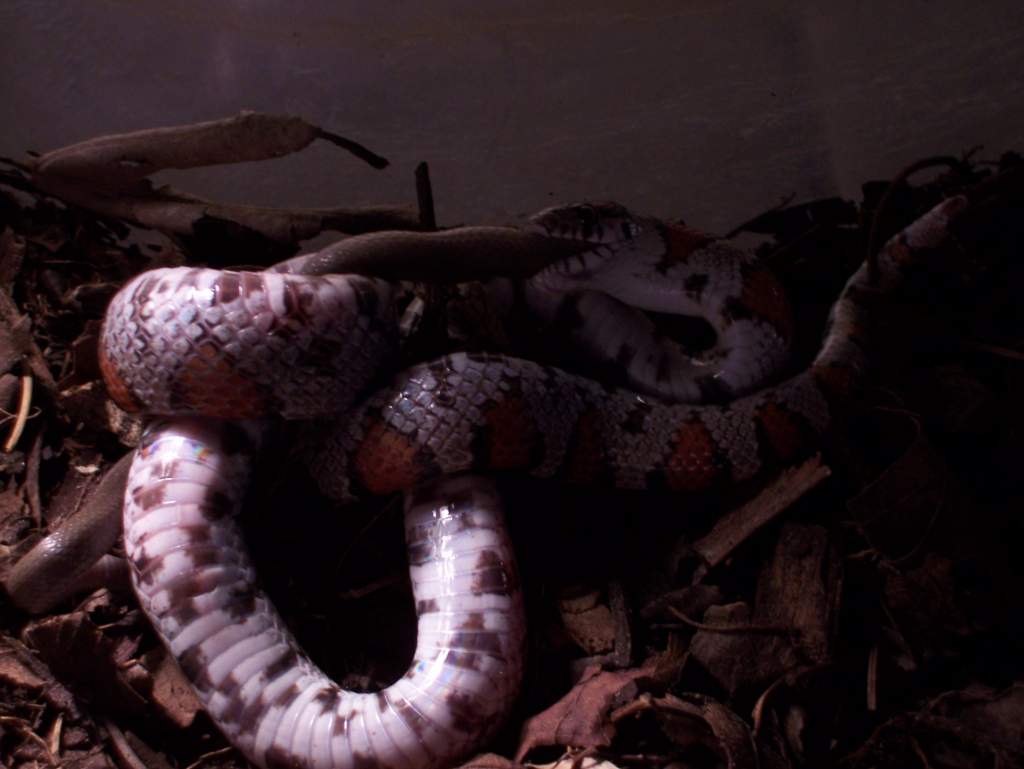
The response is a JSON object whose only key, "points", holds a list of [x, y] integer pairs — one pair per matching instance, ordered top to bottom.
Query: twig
{"points": [[355, 148], [425, 197], [433, 321], [24, 404], [31, 482], [736, 526], [731, 628], [623, 652], [789, 678], [644, 702], [757, 714], [24, 729], [54, 734], [122, 749], [919, 752], [207, 756]]}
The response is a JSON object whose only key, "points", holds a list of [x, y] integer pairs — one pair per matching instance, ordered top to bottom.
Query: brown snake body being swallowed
{"points": [[207, 350]]}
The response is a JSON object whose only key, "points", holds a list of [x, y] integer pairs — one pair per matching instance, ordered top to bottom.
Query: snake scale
{"points": [[211, 353]]}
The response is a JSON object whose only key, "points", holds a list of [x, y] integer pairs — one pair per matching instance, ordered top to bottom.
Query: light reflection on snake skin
{"points": [[309, 345]]}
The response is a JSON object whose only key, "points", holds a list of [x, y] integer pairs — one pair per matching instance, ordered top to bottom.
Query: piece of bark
{"points": [[121, 159], [736, 526], [799, 588], [794, 620], [589, 623], [733, 654], [171, 692]]}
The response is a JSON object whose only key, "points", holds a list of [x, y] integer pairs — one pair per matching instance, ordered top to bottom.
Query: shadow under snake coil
{"points": [[210, 352]]}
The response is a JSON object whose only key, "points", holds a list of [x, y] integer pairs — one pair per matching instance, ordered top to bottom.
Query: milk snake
{"points": [[212, 352]]}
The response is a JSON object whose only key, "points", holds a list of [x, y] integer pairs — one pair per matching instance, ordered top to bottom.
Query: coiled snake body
{"points": [[221, 348]]}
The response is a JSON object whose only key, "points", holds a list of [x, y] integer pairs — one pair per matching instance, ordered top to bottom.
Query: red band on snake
{"points": [[242, 345]]}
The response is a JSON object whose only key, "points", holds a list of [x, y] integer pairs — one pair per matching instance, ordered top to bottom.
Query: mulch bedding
{"points": [[865, 610]]}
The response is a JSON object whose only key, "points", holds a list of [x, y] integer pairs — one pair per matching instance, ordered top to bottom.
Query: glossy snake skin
{"points": [[237, 345], [196, 583]]}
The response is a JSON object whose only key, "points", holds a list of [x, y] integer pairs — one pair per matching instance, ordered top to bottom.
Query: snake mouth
{"points": [[593, 222], [693, 334]]}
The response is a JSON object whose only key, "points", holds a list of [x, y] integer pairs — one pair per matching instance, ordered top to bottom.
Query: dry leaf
{"points": [[90, 663], [580, 718], [697, 719]]}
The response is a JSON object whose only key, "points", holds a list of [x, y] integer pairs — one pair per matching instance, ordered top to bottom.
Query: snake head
{"points": [[605, 223]]}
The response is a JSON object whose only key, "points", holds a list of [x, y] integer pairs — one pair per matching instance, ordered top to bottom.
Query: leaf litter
{"points": [[864, 610]]}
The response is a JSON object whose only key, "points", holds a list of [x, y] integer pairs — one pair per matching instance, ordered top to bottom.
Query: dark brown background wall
{"points": [[706, 109]]}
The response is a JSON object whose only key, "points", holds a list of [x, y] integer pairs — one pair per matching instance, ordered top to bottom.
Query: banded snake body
{"points": [[212, 352]]}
